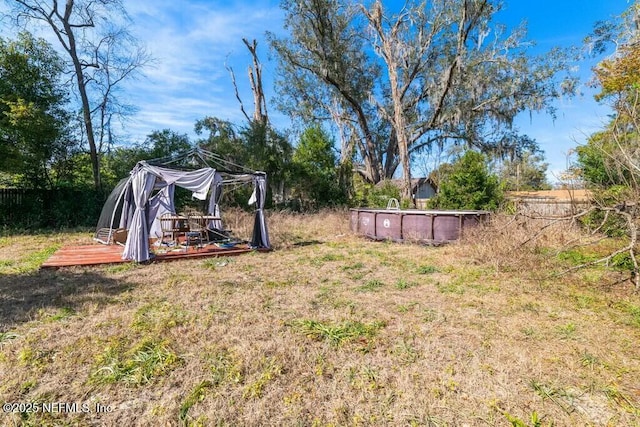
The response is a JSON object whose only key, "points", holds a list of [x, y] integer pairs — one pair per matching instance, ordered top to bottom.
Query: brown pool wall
{"points": [[430, 226]]}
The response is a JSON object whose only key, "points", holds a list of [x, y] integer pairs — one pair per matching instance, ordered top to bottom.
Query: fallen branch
{"points": [[554, 220], [630, 248]]}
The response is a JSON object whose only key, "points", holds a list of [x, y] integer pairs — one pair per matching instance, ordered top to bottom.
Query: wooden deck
{"points": [[98, 254]]}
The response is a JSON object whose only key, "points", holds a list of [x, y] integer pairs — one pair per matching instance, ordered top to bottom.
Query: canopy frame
{"points": [[140, 209]]}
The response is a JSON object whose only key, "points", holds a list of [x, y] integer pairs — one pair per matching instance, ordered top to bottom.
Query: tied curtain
{"points": [[146, 178], [214, 202], [160, 204], [260, 237], [137, 245]]}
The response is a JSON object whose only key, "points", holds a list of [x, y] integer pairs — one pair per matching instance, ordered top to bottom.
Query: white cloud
{"points": [[192, 41]]}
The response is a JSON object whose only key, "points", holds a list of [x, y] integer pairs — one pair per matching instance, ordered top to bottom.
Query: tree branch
{"points": [[235, 88]]}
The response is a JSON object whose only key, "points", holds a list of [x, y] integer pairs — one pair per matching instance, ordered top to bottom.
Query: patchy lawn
{"points": [[328, 329]]}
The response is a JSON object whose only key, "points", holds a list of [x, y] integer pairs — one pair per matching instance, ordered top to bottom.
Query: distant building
{"points": [[422, 189]]}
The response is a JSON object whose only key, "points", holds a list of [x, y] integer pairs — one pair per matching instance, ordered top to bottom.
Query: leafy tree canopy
{"points": [[396, 83], [33, 119], [159, 144], [257, 146], [610, 157], [315, 173], [526, 173], [468, 184]]}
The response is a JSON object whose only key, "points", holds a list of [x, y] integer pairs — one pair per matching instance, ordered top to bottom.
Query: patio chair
{"points": [[172, 225], [197, 230]]}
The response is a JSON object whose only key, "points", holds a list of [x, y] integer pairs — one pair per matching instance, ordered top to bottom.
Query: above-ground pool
{"points": [[429, 226]]}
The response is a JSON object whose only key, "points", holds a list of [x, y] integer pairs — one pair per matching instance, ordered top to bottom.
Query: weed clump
{"points": [[337, 333], [136, 366]]}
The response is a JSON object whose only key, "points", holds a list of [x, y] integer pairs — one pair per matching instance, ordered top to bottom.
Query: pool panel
{"points": [[414, 225]]}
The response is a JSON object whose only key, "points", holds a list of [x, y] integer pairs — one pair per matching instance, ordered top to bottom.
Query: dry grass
{"points": [[328, 329]]}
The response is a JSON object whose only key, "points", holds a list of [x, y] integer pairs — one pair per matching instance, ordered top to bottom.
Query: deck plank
{"points": [[99, 254]]}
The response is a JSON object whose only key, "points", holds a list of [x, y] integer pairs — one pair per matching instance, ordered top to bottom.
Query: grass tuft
{"points": [[577, 256], [29, 263], [216, 263], [426, 269], [404, 284], [373, 285], [456, 286], [62, 314], [634, 314], [158, 317], [567, 331], [337, 334], [6, 336], [34, 357], [137, 366], [225, 367], [270, 369], [197, 395], [559, 396], [626, 402], [534, 420]]}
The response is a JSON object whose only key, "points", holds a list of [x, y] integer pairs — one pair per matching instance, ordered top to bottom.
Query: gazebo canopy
{"points": [[138, 201]]}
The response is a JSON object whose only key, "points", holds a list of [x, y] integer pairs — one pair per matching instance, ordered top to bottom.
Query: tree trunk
{"points": [[389, 45], [255, 79], [82, 88], [88, 124], [400, 126]]}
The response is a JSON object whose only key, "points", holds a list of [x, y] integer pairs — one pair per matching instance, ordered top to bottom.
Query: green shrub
{"points": [[469, 185], [377, 196]]}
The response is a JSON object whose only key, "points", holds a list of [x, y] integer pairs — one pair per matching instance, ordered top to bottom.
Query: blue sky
{"points": [[563, 23], [192, 40]]}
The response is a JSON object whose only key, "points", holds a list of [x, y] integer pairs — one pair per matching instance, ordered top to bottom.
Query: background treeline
{"points": [[362, 109], [49, 180]]}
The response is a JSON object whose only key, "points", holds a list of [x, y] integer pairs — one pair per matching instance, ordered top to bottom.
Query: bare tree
{"points": [[90, 39], [120, 58], [255, 80]]}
